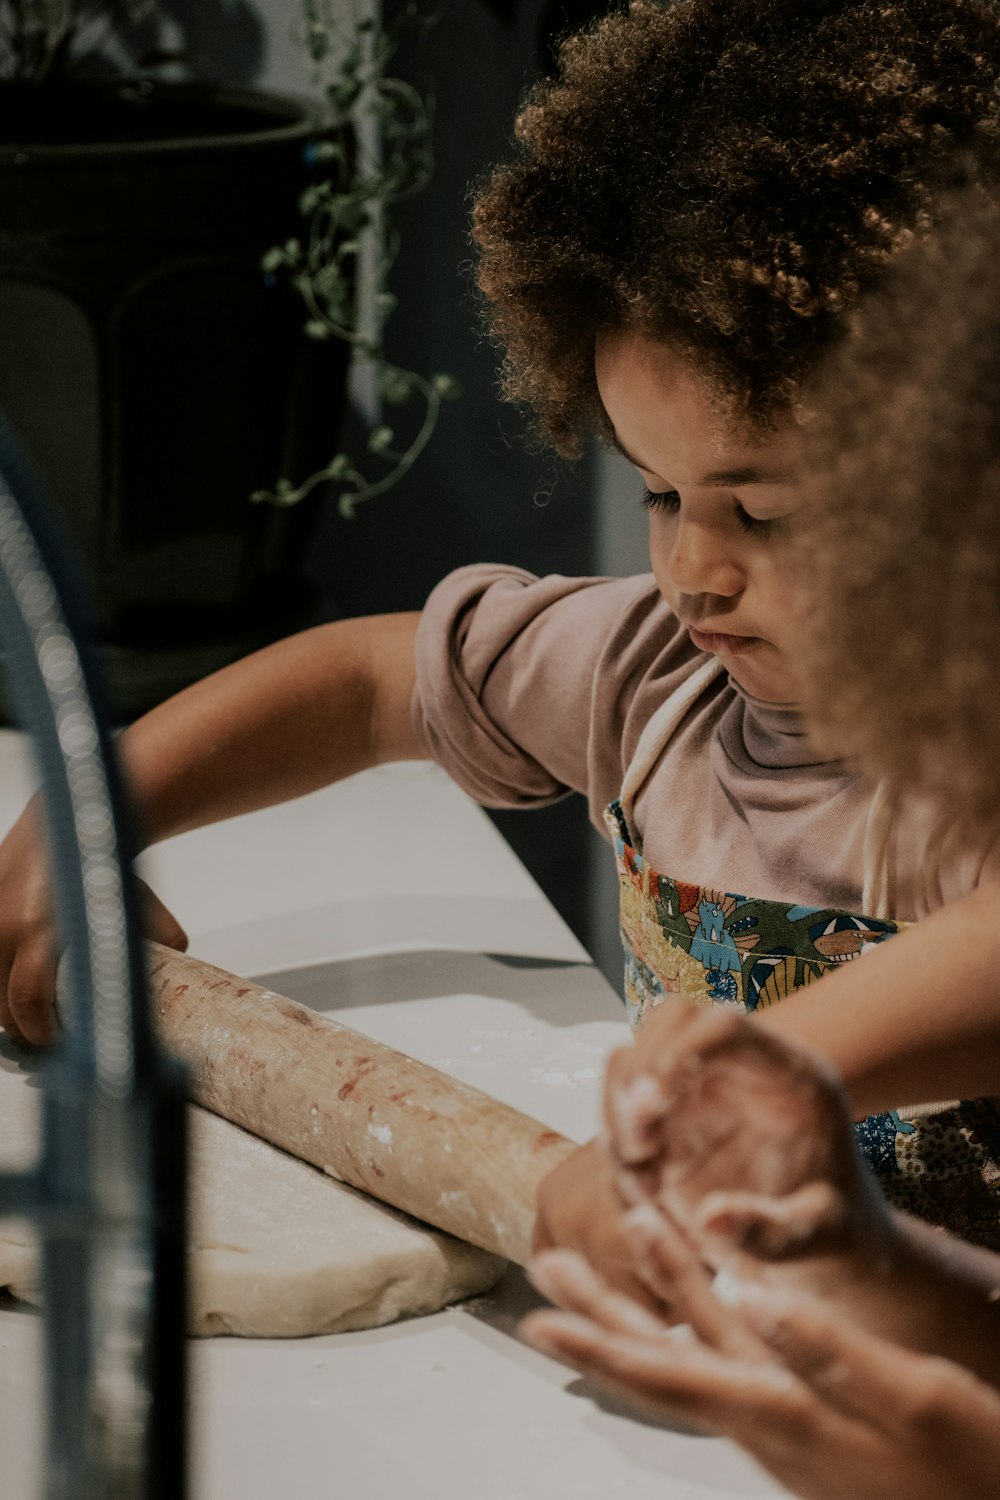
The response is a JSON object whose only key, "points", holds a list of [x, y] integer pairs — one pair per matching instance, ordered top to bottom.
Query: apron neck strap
{"points": [[660, 730], [878, 898]]}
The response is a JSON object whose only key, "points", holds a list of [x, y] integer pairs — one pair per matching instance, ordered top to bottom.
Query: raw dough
{"points": [[278, 1248]]}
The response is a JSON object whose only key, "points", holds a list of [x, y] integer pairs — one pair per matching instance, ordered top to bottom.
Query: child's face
{"points": [[719, 508]]}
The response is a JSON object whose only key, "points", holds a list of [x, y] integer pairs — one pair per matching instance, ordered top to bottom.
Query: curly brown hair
{"points": [[726, 175], [904, 543]]}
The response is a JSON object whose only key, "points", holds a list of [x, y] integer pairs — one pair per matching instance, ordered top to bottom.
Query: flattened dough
{"points": [[279, 1250]]}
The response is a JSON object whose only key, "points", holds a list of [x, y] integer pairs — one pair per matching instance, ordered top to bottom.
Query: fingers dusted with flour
{"points": [[707, 1100], [740, 1140], [745, 1142], [745, 1198], [579, 1207], [774, 1228], [670, 1265], [594, 1311], [705, 1376], [833, 1412]]}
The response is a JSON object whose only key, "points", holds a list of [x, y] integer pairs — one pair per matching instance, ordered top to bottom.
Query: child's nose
{"points": [[700, 562]]}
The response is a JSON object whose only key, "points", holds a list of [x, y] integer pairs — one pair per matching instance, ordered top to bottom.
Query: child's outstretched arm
{"points": [[287, 720], [916, 1020]]}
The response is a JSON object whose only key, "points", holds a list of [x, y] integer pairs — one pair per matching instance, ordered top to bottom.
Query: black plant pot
{"points": [[156, 376]]}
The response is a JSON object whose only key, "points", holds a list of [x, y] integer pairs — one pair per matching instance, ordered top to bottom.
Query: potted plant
{"points": [[177, 266]]}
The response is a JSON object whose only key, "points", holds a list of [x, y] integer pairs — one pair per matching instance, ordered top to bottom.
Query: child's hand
{"points": [[28, 948], [707, 1102], [744, 1139], [580, 1208], [831, 1411]]}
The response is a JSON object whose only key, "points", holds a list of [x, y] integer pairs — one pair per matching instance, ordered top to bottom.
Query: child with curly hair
{"points": [[698, 199], [736, 1146]]}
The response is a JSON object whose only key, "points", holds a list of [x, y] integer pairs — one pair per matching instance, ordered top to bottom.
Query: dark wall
{"points": [[478, 493]]}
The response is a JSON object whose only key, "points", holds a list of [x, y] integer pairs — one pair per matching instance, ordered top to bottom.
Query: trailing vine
{"points": [[365, 174]]}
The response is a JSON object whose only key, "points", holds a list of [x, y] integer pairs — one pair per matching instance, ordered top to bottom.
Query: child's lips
{"points": [[717, 642]]}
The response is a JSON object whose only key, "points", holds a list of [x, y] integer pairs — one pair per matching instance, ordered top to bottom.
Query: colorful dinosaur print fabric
{"points": [[717, 948]]}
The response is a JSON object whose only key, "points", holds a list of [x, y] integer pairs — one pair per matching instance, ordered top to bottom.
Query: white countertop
{"points": [[391, 900]]}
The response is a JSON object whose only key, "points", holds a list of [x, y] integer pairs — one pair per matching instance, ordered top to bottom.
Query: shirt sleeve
{"points": [[525, 685]]}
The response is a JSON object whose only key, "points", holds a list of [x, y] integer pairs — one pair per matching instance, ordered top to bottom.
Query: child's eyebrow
{"points": [[747, 474]]}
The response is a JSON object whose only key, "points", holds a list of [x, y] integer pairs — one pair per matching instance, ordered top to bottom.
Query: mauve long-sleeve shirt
{"points": [[530, 688]]}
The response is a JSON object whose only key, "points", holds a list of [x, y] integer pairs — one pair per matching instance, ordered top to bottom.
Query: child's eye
{"points": [[662, 500], [751, 524], [756, 525]]}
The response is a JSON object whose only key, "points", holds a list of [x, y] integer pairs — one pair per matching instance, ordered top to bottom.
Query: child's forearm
{"points": [[285, 721], [282, 722], [915, 1021]]}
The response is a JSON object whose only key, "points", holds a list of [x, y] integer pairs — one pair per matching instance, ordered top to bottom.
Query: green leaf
{"points": [[343, 96], [312, 197], [330, 281], [337, 305], [394, 387], [447, 387], [379, 439]]}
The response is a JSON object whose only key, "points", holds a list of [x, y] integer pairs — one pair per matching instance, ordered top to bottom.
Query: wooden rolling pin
{"points": [[383, 1122]]}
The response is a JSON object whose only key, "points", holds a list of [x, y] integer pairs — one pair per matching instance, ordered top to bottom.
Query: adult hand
{"points": [[28, 940], [831, 1411]]}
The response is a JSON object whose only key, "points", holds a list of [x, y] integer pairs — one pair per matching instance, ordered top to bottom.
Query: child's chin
{"points": [[763, 679]]}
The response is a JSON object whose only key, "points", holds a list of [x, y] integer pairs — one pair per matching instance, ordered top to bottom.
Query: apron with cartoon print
{"points": [[940, 1162]]}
